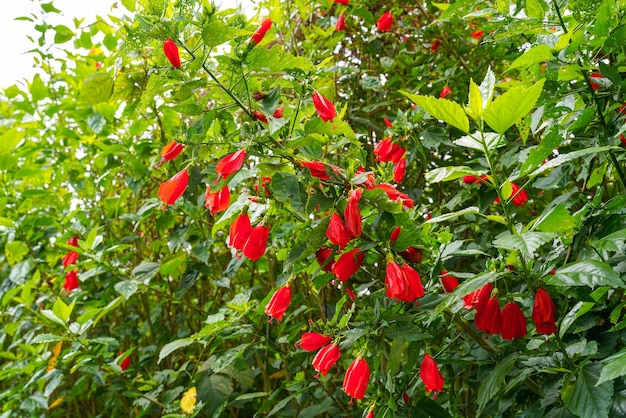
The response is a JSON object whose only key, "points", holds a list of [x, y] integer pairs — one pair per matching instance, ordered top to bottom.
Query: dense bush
{"points": [[356, 208]]}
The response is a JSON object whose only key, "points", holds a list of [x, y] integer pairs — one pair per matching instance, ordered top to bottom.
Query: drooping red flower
{"points": [[342, 1], [385, 22], [341, 23], [259, 34], [477, 34], [435, 45], [171, 52], [445, 91], [324, 107], [258, 115], [388, 123], [170, 151], [230, 164], [317, 169], [399, 170], [469, 179], [174, 188], [395, 195], [217, 202], [352, 213], [239, 232], [336, 232], [395, 234], [73, 241], [255, 246], [322, 255], [412, 255], [70, 258], [348, 264], [71, 280], [395, 281], [449, 282], [414, 289], [478, 297], [278, 304], [543, 312], [488, 319], [513, 322], [311, 341], [326, 358], [125, 363], [429, 373], [357, 378]]}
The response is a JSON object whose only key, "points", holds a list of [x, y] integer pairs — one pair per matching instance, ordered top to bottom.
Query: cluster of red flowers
{"points": [[389, 151], [251, 242], [510, 322]]}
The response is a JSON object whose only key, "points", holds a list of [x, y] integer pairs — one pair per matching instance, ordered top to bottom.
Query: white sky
{"points": [[17, 64]]}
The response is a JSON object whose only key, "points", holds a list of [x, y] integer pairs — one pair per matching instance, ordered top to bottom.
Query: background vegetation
{"points": [[164, 308]]}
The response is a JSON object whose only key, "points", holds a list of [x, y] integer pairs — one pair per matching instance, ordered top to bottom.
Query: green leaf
{"points": [[534, 9], [217, 33], [62, 34], [534, 55], [610, 72], [97, 88], [486, 88], [474, 102], [512, 106], [448, 111], [96, 122], [10, 139], [551, 140], [474, 141], [564, 158], [448, 173], [287, 189], [472, 210], [556, 219], [611, 242], [526, 243], [15, 251], [146, 271], [590, 273], [126, 288], [61, 310], [46, 338], [169, 348], [614, 367], [495, 381], [214, 391], [584, 397]]}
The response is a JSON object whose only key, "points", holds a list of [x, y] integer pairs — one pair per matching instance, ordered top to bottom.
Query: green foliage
{"points": [[517, 182]]}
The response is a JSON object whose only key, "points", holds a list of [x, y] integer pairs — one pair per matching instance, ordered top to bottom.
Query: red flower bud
{"points": [[342, 1], [385, 22], [341, 23], [259, 34], [477, 34], [435, 45], [171, 52], [445, 91], [324, 107], [279, 112], [259, 116], [388, 123], [622, 138], [170, 151], [230, 164], [317, 169], [399, 170], [469, 179], [174, 188], [519, 196], [218, 201], [352, 213], [239, 232], [336, 232], [395, 234], [73, 241], [255, 246], [412, 255], [70, 258], [348, 264], [71, 280], [395, 282], [414, 289], [278, 304], [543, 312], [488, 319], [513, 322], [312, 341], [326, 358], [125, 363], [429, 373], [356, 379]]}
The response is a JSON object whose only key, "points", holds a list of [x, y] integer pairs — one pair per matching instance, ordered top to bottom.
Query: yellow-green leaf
{"points": [[534, 55], [475, 101], [513, 105], [448, 111]]}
